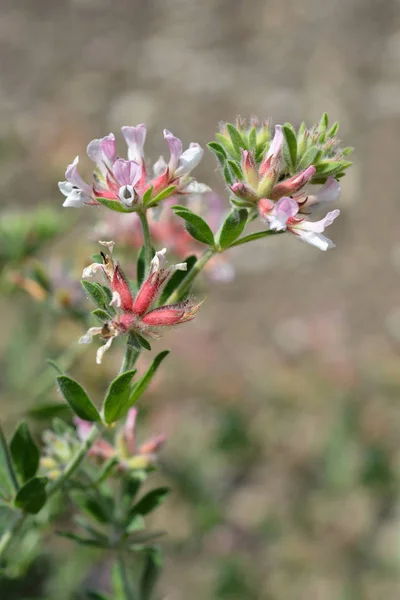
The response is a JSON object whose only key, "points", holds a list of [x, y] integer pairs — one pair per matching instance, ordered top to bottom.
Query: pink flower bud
{"points": [[249, 169], [292, 185], [244, 192], [120, 286], [174, 314]]}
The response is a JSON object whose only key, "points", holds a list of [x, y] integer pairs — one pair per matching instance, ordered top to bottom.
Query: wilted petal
{"points": [[135, 138], [175, 148], [189, 160], [91, 270], [88, 337], [102, 350]]}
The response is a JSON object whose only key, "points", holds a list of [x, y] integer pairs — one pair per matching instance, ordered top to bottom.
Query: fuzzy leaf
{"points": [[252, 138], [237, 140], [290, 147], [219, 151], [310, 157], [235, 170], [228, 175], [147, 195], [162, 195], [116, 206], [196, 226], [232, 227], [176, 279], [96, 293], [101, 315], [140, 387], [78, 399], [116, 403], [24, 452], [32, 496], [149, 502]]}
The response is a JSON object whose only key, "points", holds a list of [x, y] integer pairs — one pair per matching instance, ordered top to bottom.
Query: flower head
{"points": [[126, 182], [135, 314], [124, 450]]}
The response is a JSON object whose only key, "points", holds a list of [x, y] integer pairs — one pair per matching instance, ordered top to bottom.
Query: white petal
{"points": [[189, 160], [159, 167], [65, 187], [195, 187], [76, 199], [319, 226], [315, 239], [159, 261], [180, 267], [91, 270], [87, 338], [102, 350]]}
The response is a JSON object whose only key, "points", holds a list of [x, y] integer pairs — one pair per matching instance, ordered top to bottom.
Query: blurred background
{"points": [[281, 401]]}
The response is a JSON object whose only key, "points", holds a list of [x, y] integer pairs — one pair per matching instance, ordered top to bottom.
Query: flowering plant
{"points": [[278, 179]]}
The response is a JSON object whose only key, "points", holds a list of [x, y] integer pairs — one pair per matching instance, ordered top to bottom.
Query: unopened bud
{"points": [[249, 169], [293, 185], [244, 192]]}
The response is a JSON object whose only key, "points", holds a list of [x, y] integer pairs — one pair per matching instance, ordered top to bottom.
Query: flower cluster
{"points": [[270, 176], [127, 185], [134, 314], [125, 451]]}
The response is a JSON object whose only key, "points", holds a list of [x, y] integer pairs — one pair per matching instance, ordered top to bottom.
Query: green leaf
{"points": [[333, 130], [252, 138], [237, 140], [227, 144], [290, 147], [219, 151], [310, 157], [331, 167], [235, 170], [228, 175], [147, 195], [162, 195], [116, 205], [196, 226], [232, 227], [252, 237], [176, 279], [97, 294], [101, 315], [143, 342], [140, 387], [78, 399], [116, 403], [24, 452], [32, 496], [149, 502], [97, 507], [81, 540], [151, 572]]}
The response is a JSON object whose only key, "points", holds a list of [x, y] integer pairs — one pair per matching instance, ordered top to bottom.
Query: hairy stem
{"points": [[147, 240], [187, 281]]}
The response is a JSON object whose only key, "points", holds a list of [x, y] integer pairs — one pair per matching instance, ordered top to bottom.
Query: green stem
{"points": [[148, 254], [187, 281], [130, 357], [127, 589]]}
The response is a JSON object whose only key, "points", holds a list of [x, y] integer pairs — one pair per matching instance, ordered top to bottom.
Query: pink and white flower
{"points": [[126, 181], [283, 216]]}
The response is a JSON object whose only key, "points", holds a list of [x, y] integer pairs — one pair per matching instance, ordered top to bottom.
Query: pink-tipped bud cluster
{"points": [[128, 181], [135, 314], [125, 450]]}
